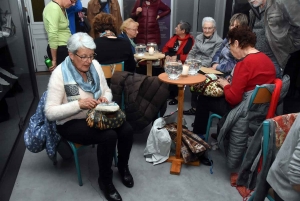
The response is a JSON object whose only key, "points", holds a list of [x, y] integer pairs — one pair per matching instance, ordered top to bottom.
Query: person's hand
{"points": [[138, 10], [157, 17], [173, 58], [53, 66], [214, 66], [222, 82], [103, 100], [88, 103], [296, 187]]}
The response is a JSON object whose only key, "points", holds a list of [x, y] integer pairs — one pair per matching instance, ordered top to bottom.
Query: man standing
{"points": [[277, 27]]}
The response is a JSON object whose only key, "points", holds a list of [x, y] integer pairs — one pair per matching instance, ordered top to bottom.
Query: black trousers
{"points": [[61, 54], [205, 105], [77, 131]]}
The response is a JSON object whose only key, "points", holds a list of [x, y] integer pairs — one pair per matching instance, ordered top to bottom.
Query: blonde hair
{"points": [[126, 23]]}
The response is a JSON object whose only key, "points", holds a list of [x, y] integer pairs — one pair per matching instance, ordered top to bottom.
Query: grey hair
{"points": [[209, 19], [185, 26], [80, 40]]}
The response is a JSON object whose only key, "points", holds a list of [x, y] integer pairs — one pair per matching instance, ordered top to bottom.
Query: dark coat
{"points": [[148, 24], [144, 97]]}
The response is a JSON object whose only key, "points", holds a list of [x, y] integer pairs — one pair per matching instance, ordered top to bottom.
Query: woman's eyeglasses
{"points": [[86, 58]]}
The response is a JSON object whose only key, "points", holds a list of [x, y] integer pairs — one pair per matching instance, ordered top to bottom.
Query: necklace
{"points": [[62, 8]]}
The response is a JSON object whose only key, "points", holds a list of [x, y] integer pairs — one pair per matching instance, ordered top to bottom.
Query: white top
{"points": [[57, 107]]}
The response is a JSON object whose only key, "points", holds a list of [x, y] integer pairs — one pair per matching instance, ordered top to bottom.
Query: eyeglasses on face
{"points": [[208, 28], [133, 29], [86, 58]]}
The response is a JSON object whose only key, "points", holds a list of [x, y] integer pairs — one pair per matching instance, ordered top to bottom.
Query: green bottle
{"points": [[48, 61]]}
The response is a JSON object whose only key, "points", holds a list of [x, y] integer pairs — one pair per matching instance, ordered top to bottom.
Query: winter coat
{"points": [[94, 8], [148, 22], [282, 26], [204, 51], [144, 97], [243, 122]]}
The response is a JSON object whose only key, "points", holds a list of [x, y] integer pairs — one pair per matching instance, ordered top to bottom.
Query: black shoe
{"points": [[173, 102], [191, 111], [214, 136], [205, 161], [126, 177], [110, 192]]}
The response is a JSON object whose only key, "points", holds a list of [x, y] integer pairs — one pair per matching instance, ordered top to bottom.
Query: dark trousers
{"points": [[61, 54], [205, 105], [77, 131], [276, 197]]}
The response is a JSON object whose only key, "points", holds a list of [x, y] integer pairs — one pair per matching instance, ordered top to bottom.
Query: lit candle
{"points": [[151, 50], [185, 70]]}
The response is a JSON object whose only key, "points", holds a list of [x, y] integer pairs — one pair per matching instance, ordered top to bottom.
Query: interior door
{"points": [[39, 40]]}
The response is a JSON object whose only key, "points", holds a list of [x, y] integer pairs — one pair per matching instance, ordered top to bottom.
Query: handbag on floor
{"points": [[209, 87], [106, 116]]}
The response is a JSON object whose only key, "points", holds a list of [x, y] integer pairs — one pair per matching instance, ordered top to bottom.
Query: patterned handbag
{"points": [[209, 87], [105, 120]]}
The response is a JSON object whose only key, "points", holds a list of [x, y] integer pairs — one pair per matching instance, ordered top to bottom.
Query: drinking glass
{"points": [[153, 45], [140, 49], [194, 66], [173, 69]]}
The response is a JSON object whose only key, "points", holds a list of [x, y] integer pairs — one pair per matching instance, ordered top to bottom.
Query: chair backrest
{"points": [[109, 69], [262, 95]]}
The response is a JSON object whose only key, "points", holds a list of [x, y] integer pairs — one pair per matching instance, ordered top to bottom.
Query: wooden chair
{"points": [[108, 70], [260, 95]]}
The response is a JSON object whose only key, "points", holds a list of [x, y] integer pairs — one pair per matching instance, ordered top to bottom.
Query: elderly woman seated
{"points": [[129, 30], [206, 45], [110, 48], [177, 48], [253, 68], [77, 85]]}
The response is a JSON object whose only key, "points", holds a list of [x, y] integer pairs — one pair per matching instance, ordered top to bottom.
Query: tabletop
{"points": [[147, 56], [183, 80]]}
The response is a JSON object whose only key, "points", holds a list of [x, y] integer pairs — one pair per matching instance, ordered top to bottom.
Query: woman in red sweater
{"points": [[177, 48], [253, 68]]}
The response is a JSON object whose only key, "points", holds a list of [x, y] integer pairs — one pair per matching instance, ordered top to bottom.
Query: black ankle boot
{"points": [[126, 177], [110, 192]]}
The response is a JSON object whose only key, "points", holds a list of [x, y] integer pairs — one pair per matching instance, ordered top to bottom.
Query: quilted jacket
{"points": [[148, 24], [144, 97], [242, 122]]}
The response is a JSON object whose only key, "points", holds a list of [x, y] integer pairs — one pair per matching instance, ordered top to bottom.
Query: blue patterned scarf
{"points": [[73, 80]]}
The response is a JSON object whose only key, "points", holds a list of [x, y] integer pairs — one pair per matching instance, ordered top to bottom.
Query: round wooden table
{"points": [[149, 58], [177, 160]]}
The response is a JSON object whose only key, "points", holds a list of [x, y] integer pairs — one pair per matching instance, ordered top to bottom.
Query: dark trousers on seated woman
{"points": [[205, 105], [77, 131]]}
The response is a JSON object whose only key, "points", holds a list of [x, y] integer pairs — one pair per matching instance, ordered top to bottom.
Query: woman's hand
{"points": [[138, 10], [54, 65], [214, 66], [222, 82], [103, 100], [88, 103]]}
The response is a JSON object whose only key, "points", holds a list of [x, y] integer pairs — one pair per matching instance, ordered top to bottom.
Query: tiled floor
{"points": [[39, 180]]}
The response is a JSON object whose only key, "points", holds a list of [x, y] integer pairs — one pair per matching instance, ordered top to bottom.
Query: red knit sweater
{"points": [[254, 69]]}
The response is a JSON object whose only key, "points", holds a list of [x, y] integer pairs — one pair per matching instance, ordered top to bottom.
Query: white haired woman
{"points": [[206, 45], [77, 85]]}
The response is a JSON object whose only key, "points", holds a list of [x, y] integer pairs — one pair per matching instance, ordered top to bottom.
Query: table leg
{"points": [[149, 67]]}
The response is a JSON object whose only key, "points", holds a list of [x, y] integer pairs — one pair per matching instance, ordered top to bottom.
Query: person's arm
{"points": [[76, 8], [165, 10], [290, 11], [134, 12], [52, 20], [217, 46], [193, 51], [216, 57], [234, 91], [54, 108], [294, 166]]}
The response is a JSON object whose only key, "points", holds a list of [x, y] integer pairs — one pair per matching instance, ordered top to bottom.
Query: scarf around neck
{"points": [[73, 80]]}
